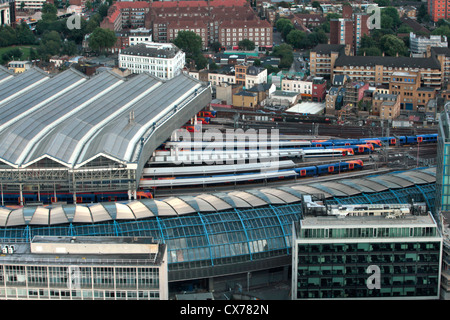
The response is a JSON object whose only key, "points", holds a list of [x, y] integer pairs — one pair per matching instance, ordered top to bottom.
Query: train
{"points": [[207, 114], [410, 140], [377, 142], [244, 176], [251, 176]]}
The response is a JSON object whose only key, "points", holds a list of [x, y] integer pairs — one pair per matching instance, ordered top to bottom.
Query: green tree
{"points": [[382, 3], [103, 10], [49, 12], [393, 14], [422, 14], [333, 15], [387, 22], [284, 26], [404, 28], [443, 30], [24, 35], [7, 36], [295, 38], [101, 39], [367, 41], [189, 42], [246, 44], [50, 45], [392, 45], [215, 46], [69, 48], [372, 51], [285, 53], [33, 55], [200, 61]]}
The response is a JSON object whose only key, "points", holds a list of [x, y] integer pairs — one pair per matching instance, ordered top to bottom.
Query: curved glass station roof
{"points": [[215, 228]]}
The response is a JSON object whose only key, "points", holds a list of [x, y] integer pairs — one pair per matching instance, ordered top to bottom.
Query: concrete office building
{"points": [[7, 12], [420, 44], [163, 60], [442, 203], [368, 252], [84, 268]]}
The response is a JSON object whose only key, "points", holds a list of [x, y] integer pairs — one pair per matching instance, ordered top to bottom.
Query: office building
{"points": [[30, 4], [438, 9], [7, 12], [349, 29], [419, 44], [442, 55], [323, 57], [163, 60], [377, 70], [386, 106], [443, 164], [367, 251], [84, 268]]}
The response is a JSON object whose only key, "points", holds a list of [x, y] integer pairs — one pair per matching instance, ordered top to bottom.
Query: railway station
{"points": [[94, 157]]}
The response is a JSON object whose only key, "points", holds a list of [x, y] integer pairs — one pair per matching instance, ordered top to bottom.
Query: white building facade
{"points": [[419, 44], [163, 60]]}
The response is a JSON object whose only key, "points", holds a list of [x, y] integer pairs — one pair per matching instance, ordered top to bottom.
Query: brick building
{"points": [[349, 29]]}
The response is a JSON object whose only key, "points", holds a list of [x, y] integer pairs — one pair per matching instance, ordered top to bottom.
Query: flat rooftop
{"points": [[335, 221], [101, 250]]}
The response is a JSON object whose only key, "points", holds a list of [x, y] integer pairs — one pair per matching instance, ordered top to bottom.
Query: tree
{"points": [[103, 10], [49, 12], [392, 13], [422, 14], [333, 15], [284, 26], [404, 28], [443, 30], [24, 35], [7, 36], [295, 38], [101, 39], [368, 41], [189, 42], [246, 44], [50, 45], [392, 45], [215, 46], [69, 48], [372, 51], [285, 53], [33, 54], [200, 61]]}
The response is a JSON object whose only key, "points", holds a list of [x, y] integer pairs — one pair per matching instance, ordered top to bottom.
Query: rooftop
{"points": [[328, 48], [152, 49], [387, 61], [71, 119]]}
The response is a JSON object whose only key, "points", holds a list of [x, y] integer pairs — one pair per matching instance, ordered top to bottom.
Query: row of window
{"points": [[390, 232], [79, 277], [54, 294]]}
